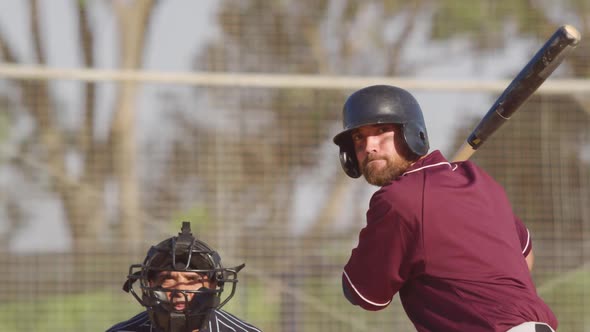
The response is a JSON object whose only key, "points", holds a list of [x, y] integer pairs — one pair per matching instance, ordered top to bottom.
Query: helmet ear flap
{"points": [[416, 138], [349, 163]]}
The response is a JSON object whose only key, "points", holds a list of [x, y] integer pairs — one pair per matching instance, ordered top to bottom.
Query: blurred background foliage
{"points": [[252, 168]]}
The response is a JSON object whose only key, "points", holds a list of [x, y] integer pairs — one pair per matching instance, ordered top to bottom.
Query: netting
{"points": [[96, 165]]}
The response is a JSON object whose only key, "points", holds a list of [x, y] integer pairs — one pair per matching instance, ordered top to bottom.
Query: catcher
{"points": [[181, 282]]}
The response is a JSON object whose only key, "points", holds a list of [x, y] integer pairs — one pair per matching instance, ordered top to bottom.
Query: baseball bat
{"points": [[536, 71]]}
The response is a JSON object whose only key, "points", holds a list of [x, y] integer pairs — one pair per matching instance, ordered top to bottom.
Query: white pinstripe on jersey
{"points": [[220, 321]]}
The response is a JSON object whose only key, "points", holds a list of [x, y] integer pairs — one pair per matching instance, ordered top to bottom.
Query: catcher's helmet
{"points": [[379, 104], [182, 253]]}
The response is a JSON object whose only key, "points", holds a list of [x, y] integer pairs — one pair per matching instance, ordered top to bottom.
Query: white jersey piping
{"points": [[428, 166], [528, 241], [362, 297]]}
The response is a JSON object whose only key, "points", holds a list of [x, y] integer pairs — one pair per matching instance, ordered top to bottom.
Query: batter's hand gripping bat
{"points": [[543, 63]]}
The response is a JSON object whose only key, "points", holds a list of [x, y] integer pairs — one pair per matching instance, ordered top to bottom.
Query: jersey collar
{"points": [[433, 159]]}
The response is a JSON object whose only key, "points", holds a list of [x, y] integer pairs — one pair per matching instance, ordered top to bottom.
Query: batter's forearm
{"points": [[530, 260]]}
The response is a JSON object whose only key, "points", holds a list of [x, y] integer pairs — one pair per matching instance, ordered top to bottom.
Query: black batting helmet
{"points": [[380, 104], [183, 253]]}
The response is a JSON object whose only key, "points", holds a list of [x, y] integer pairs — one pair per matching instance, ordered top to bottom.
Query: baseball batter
{"points": [[441, 234]]}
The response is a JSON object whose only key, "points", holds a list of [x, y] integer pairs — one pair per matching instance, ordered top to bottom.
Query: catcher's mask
{"points": [[380, 104], [185, 254]]}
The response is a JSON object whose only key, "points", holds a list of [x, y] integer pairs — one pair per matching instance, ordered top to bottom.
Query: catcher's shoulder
{"points": [[232, 321], [137, 323]]}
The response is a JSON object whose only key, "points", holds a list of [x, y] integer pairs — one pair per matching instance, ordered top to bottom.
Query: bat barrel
{"points": [[573, 34], [528, 80]]}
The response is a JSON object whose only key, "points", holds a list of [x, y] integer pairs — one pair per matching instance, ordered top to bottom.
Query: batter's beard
{"points": [[380, 176]]}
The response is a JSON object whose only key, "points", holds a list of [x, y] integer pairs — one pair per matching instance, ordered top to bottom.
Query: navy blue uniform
{"points": [[220, 321]]}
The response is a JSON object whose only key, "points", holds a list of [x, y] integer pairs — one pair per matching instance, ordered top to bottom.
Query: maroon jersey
{"points": [[445, 237]]}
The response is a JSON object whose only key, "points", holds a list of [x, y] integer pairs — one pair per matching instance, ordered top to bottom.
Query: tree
{"points": [[326, 38], [51, 143], [262, 147]]}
